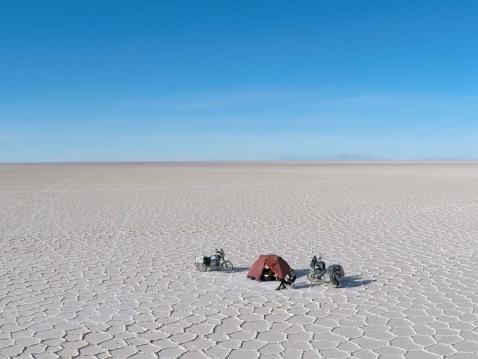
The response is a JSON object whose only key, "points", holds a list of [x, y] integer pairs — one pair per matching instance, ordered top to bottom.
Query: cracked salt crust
{"points": [[97, 260]]}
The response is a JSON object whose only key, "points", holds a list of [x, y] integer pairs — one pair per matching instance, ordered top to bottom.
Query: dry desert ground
{"points": [[97, 260]]}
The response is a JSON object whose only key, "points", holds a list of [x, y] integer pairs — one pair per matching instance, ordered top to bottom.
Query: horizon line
{"points": [[242, 161]]}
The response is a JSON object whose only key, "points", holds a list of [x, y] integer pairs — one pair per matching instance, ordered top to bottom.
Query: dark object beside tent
{"points": [[275, 263]]}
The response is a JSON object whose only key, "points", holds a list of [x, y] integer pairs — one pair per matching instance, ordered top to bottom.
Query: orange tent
{"points": [[275, 263]]}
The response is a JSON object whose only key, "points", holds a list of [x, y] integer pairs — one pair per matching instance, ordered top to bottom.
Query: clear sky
{"points": [[237, 80]]}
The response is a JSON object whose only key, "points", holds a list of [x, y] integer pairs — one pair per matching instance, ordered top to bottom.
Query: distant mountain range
{"points": [[337, 157], [371, 157], [451, 158]]}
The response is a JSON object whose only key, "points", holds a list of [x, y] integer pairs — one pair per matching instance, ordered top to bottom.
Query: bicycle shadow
{"points": [[240, 269], [301, 272], [351, 281], [355, 281]]}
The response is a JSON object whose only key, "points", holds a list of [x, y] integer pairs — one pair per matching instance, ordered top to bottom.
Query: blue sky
{"points": [[237, 80]]}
